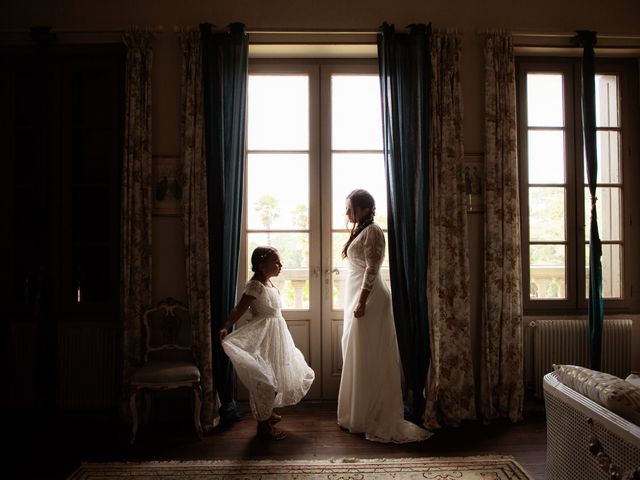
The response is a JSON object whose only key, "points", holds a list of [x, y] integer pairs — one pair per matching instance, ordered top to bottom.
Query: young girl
{"points": [[262, 352]]}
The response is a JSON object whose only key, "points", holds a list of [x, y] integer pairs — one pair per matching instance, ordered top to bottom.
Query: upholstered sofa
{"points": [[586, 439]]}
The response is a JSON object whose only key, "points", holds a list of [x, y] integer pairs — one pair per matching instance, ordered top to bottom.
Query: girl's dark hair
{"points": [[363, 199], [260, 255]]}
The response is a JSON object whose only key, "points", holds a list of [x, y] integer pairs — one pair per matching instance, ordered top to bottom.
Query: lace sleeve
{"points": [[373, 254], [253, 288]]}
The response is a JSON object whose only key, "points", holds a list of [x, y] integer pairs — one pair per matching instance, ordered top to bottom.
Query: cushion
{"points": [[166, 373], [634, 379], [613, 393]]}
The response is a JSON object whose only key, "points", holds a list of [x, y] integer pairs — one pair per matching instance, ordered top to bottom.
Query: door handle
{"points": [[335, 270]]}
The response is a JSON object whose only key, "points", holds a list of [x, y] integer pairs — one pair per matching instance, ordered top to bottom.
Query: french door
{"points": [[313, 135]]}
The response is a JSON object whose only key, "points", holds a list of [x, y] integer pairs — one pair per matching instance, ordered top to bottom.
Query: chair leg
{"points": [[197, 392], [134, 415]]}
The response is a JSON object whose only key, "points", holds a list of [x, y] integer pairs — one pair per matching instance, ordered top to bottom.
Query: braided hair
{"points": [[363, 199]]}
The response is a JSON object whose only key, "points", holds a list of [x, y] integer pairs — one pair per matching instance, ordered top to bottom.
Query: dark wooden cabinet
{"points": [[61, 136]]}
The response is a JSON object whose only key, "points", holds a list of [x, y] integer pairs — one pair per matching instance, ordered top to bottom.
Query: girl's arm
{"points": [[235, 314]]}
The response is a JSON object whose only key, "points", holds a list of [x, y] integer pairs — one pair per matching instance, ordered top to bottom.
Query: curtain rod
{"points": [[147, 28], [176, 28], [300, 31], [303, 31], [610, 36]]}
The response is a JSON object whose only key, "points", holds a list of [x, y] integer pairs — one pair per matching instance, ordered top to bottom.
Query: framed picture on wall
{"points": [[474, 181], [167, 185]]}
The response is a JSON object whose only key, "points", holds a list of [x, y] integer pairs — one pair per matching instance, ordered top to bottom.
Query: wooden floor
{"points": [[53, 448]]}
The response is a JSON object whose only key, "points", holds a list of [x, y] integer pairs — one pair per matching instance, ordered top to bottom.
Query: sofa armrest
{"points": [[572, 423]]}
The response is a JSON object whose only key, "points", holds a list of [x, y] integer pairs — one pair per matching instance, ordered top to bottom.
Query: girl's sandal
{"points": [[275, 418], [270, 433], [277, 434]]}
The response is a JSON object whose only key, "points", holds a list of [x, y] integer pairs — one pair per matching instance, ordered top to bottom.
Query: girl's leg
{"points": [[261, 401], [275, 418], [267, 431]]}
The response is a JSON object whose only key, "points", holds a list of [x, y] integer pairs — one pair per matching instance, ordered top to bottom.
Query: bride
{"points": [[370, 398]]}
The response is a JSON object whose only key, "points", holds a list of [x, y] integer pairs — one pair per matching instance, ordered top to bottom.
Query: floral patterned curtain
{"points": [[137, 200], [195, 218], [502, 387], [451, 390]]}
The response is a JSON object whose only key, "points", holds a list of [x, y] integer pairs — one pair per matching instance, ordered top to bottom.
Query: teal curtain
{"points": [[588, 40], [225, 64], [405, 82]]}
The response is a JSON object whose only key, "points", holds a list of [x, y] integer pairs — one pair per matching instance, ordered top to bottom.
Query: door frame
{"points": [[324, 325]]}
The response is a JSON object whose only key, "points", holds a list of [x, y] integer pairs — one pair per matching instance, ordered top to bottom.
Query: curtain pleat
{"points": [[403, 60], [225, 71], [137, 200], [195, 218], [596, 307], [501, 387], [451, 388]]}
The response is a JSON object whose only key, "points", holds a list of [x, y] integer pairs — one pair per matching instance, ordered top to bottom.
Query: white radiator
{"points": [[563, 341]]}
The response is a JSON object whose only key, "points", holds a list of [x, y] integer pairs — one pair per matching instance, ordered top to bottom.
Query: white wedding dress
{"points": [[265, 357], [370, 398]]}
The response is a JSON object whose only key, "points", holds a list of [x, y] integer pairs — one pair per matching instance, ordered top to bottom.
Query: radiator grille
{"points": [[563, 341], [87, 358]]}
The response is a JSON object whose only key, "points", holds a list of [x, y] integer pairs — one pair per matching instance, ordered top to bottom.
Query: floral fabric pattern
{"points": [[137, 200], [195, 218], [371, 249], [502, 387], [451, 390], [616, 394]]}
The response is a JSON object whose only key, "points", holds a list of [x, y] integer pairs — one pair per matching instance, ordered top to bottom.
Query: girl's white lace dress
{"points": [[265, 357], [370, 398]]}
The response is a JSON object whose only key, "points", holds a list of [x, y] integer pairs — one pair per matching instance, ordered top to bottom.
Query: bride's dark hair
{"points": [[363, 199]]}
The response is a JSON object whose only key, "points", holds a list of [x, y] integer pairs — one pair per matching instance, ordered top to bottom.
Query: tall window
{"points": [[314, 134], [278, 161], [556, 203]]}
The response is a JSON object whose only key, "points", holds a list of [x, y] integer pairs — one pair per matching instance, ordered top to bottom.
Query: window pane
{"points": [[545, 100], [607, 101], [278, 112], [356, 115], [608, 145], [546, 156], [351, 171], [270, 206], [608, 209], [546, 213], [338, 240], [547, 272], [293, 281], [612, 281]]}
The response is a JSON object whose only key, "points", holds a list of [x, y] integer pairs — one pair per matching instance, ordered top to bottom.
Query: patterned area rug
{"points": [[445, 468]]}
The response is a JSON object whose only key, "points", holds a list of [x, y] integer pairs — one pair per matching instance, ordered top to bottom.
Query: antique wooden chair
{"points": [[168, 358]]}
